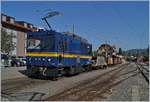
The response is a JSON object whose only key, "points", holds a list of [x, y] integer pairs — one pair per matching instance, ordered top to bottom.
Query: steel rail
{"points": [[143, 74]]}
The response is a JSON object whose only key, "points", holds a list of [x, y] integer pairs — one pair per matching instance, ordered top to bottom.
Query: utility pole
{"points": [[73, 28]]}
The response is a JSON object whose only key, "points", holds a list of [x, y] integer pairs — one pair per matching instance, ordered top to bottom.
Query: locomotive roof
{"points": [[54, 32], [40, 33]]}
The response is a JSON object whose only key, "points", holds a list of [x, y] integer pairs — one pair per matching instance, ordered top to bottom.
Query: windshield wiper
{"points": [[35, 47]]}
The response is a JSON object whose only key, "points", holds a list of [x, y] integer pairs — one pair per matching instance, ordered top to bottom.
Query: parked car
{"points": [[8, 61], [18, 61], [22, 61], [14, 62]]}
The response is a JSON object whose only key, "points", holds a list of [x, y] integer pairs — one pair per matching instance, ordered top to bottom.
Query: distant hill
{"points": [[136, 52]]}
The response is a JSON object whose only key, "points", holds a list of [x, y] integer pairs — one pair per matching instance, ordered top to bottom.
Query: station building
{"points": [[18, 30]]}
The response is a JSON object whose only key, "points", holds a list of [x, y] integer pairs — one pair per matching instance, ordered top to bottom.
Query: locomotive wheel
{"points": [[105, 67], [87, 68], [29, 71], [66, 71], [70, 71], [32, 72], [52, 73]]}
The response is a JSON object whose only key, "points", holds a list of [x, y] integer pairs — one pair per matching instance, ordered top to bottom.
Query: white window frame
{"points": [[3, 18], [12, 20], [25, 25]]}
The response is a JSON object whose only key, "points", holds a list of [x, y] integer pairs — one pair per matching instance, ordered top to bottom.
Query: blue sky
{"points": [[124, 24]]}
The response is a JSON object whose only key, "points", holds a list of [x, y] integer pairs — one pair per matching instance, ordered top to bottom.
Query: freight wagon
{"points": [[106, 56]]}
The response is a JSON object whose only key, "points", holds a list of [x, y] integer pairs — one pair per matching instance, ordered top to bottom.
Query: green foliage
{"points": [[6, 42], [148, 49], [120, 51], [94, 53], [146, 58]]}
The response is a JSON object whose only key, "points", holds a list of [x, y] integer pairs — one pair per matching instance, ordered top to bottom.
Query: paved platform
{"points": [[12, 72], [113, 84], [47, 87]]}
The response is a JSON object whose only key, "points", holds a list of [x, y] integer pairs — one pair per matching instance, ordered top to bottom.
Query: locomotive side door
{"points": [[60, 51]]}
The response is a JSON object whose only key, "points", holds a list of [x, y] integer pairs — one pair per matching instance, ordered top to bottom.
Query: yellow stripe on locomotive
{"points": [[57, 55]]}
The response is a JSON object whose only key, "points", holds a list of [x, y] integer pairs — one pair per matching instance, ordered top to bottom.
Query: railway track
{"points": [[144, 71], [13, 86], [92, 89]]}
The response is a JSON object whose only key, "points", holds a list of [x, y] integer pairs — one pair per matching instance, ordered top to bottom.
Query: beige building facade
{"points": [[18, 30]]}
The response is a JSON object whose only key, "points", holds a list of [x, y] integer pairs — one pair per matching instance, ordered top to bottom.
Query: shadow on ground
{"points": [[25, 96]]}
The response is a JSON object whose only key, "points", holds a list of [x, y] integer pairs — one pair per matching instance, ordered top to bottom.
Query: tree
{"points": [[6, 42], [148, 49], [120, 51], [94, 53]]}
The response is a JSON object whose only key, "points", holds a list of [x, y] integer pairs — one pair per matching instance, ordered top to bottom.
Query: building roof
{"points": [[2, 14], [23, 22], [17, 25], [106, 46]]}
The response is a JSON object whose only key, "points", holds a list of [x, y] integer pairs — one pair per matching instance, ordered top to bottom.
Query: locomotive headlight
{"points": [[49, 60]]}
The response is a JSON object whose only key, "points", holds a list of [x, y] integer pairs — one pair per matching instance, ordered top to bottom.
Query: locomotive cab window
{"points": [[34, 43], [41, 43]]}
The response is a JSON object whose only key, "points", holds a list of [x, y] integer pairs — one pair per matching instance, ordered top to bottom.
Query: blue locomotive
{"points": [[51, 53]]}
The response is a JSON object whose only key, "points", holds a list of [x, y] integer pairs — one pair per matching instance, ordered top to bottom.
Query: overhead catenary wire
{"points": [[125, 21]]}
